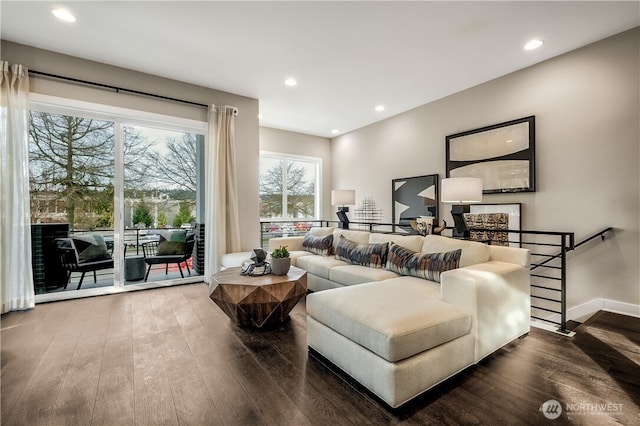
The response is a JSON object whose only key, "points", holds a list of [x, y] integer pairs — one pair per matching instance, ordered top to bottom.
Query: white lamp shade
{"points": [[461, 190], [343, 197]]}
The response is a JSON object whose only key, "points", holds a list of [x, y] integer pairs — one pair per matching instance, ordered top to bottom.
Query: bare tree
{"points": [[72, 159], [136, 159], [177, 167], [300, 192]]}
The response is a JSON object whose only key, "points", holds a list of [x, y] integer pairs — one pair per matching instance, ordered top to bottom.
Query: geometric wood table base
{"points": [[259, 301]]}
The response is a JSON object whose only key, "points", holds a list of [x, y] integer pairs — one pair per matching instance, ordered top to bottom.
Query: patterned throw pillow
{"points": [[318, 245], [371, 255], [422, 265]]}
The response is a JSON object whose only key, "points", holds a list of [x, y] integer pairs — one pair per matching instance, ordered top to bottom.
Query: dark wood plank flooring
{"points": [[170, 356]]}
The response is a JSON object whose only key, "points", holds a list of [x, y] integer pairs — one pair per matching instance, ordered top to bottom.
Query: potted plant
{"points": [[280, 261]]}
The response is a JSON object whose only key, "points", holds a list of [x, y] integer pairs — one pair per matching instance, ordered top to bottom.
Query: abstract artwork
{"points": [[502, 155], [413, 198], [495, 220]]}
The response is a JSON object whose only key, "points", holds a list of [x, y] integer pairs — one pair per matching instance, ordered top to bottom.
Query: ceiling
{"points": [[347, 57]]}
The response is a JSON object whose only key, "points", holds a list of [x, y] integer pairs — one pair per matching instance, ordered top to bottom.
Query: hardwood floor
{"points": [[170, 356]]}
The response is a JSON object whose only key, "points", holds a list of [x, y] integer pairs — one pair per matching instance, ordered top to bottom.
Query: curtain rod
{"points": [[117, 89]]}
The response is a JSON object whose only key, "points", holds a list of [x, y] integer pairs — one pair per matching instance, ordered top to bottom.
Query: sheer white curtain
{"points": [[222, 226], [16, 281]]}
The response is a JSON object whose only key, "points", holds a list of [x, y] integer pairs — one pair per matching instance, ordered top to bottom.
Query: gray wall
{"points": [[586, 104], [246, 130], [282, 141]]}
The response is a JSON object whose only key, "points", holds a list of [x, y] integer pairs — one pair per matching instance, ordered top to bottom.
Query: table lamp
{"points": [[461, 191], [343, 197]]}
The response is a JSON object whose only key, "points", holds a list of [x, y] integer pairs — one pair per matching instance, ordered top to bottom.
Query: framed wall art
{"points": [[502, 155], [413, 198], [495, 220]]}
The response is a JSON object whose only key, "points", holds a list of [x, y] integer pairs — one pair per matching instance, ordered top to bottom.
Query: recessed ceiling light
{"points": [[63, 15], [533, 44], [290, 82], [379, 108], [335, 131]]}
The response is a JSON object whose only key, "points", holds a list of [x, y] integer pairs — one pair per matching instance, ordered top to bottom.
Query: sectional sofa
{"points": [[401, 313]]}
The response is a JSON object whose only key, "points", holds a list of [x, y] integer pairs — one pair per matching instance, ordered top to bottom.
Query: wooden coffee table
{"points": [[259, 301]]}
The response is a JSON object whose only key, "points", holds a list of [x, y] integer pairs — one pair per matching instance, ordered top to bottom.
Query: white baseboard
{"points": [[621, 308], [582, 312]]}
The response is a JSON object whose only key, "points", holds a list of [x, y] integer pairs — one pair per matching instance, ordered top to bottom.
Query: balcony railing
{"points": [[286, 228], [133, 239]]}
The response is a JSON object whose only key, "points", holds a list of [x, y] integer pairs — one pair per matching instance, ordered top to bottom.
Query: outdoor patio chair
{"points": [[165, 252], [83, 254]]}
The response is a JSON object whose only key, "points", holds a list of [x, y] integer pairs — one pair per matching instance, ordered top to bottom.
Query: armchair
{"points": [[168, 251], [83, 254]]}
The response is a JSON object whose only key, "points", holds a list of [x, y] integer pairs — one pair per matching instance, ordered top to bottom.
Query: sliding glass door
{"points": [[71, 169], [160, 187], [109, 198]]}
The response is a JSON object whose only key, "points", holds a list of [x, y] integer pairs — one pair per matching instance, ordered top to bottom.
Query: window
{"points": [[71, 169], [160, 180], [110, 181], [289, 187]]}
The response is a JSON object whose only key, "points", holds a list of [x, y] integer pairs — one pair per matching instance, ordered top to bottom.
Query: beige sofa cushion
{"points": [[319, 231], [411, 242], [472, 251], [295, 255], [519, 256], [319, 265], [358, 274], [395, 318], [394, 382]]}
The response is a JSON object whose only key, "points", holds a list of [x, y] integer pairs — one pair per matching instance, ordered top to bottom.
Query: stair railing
{"points": [[547, 268]]}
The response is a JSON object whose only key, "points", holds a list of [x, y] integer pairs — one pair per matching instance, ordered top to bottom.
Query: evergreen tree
{"points": [[142, 214], [184, 214], [162, 219]]}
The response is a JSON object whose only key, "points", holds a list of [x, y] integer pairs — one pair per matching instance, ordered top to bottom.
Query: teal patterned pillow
{"points": [[318, 245], [371, 255], [422, 265]]}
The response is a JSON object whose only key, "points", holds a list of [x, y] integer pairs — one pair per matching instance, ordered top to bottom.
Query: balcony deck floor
{"points": [[105, 278]]}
